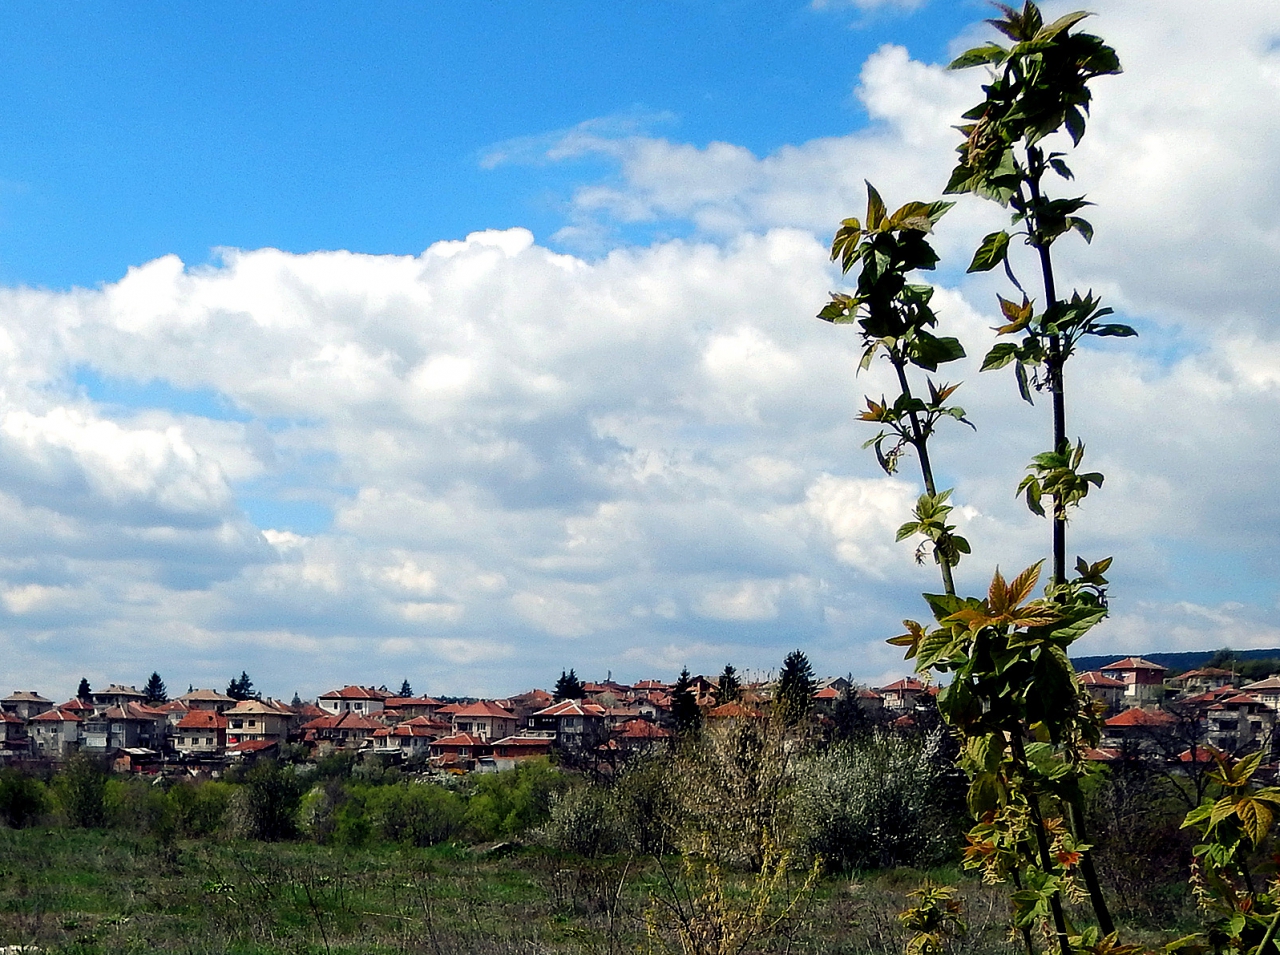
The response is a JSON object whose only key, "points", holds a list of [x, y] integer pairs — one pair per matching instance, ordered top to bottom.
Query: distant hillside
{"points": [[1188, 660]]}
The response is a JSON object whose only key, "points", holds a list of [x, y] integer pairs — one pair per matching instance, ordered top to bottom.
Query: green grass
{"points": [[91, 892]]}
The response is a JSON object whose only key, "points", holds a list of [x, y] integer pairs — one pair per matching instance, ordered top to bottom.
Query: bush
{"points": [[735, 784], [81, 789], [644, 794], [22, 799], [266, 802], [880, 802], [509, 803], [139, 805], [198, 808], [415, 814], [584, 821]]}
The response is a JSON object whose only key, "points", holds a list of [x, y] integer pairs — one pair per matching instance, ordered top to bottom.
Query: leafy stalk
{"points": [[894, 316]]}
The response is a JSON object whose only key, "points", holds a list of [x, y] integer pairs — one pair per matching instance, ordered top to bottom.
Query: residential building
{"points": [[1143, 680], [1104, 689], [1268, 691], [902, 694], [116, 695], [207, 700], [365, 700], [25, 704], [484, 719], [257, 720], [1241, 724], [579, 725], [349, 730], [201, 733], [55, 734], [511, 751]]}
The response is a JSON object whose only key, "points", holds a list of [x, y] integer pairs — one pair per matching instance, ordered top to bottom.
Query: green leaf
{"points": [[1060, 24], [987, 53], [875, 208], [990, 253], [1112, 331], [929, 352], [999, 356], [907, 529]]}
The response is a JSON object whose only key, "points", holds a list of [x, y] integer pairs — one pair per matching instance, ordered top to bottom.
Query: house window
{"points": [[253, 722], [237, 724]]}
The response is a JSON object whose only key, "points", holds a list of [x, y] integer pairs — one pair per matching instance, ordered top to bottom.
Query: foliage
{"points": [[1005, 654], [796, 685], [569, 687], [728, 687], [241, 688], [406, 690], [155, 691], [83, 692], [684, 706], [736, 779], [81, 789], [645, 794], [22, 798], [266, 801], [882, 801], [505, 804], [416, 814], [584, 821], [1233, 828], [698, 912], [935, 918]]}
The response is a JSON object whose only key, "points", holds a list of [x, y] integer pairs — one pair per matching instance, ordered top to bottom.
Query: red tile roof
{"points": [[1134, 663], [1098, 678], [910, 684], [357, 693], [485, 708], [572, 708], [733, 710], [59, 714], [1140, 717], [202, 720], [642, 729]]}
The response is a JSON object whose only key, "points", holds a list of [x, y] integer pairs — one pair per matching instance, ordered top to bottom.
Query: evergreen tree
{"points": [[796, 684], [569, 687], [241, 688], [729, 688], [155, 690], [406, 690], [83, 692], [296, 701], [684, 705], [848, 719]]}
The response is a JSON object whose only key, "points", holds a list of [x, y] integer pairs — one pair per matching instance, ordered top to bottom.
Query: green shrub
{"points": [[81, 790], [644, 794], [22, 799], [266, 801], [882, 801], [509, 803], [199, 808], [415, 814], [584, 821]]}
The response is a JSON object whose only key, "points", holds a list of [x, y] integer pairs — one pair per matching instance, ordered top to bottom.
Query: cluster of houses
{"points": [[1187, 717], [208, 728]]}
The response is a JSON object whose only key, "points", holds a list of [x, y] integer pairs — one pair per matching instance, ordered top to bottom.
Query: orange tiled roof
{"points": [[1140, 717]]}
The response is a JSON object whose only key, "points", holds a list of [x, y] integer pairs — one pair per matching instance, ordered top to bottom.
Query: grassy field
{"points": [[85, 891]]}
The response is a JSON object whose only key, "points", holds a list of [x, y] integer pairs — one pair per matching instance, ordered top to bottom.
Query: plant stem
{"points": [[1055, 363], [920, 441], [1042, 842], [1096, 896]]}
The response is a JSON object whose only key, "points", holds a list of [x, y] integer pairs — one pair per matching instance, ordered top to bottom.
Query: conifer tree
{"points": [[569, 687], [729, 688], [795, 689], [406, 690], [155, 691], [83, 692], [684, 705]]}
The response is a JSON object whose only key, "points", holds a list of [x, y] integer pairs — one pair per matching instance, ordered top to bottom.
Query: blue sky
{"points": [[136, 130], [465, 343]]}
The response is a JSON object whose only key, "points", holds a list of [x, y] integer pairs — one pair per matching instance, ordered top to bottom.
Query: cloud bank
{"points": [[478, 465]]}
